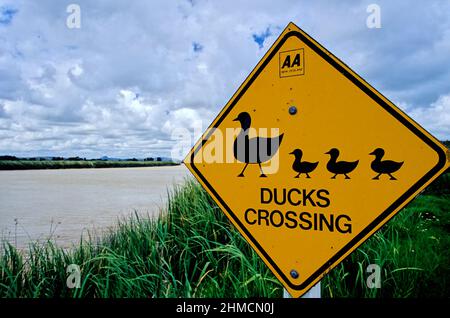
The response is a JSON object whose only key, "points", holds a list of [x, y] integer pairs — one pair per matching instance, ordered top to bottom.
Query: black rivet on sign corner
{"points": [[292, 110], [294, 274]]}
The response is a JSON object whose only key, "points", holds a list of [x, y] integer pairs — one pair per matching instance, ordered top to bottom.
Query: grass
{"points": [[69, 164], [192, 250], [412, 250]]}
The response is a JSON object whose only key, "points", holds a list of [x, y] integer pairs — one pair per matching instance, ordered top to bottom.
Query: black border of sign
{"points": [[365, 88]]}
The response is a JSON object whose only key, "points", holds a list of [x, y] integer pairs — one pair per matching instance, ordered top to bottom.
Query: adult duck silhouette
{"points": [[254, 150], [302, 166], [384, 166], [339, 167]]}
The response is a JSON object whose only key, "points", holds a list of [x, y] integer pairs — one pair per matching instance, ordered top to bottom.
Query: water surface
{"points": [[63, 204]]}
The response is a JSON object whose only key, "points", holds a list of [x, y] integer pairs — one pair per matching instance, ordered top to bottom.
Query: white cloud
{"points": [[436, 117]]}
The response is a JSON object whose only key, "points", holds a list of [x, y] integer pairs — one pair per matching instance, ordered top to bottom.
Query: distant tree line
{"points": [[8, 158], [75, 159], [153, 159]]}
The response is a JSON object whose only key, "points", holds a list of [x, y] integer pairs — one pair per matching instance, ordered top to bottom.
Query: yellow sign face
{"points": [[308, 160]]}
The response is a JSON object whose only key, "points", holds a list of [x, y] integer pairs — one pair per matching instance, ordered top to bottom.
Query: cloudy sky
{"points": [[135, 70]]}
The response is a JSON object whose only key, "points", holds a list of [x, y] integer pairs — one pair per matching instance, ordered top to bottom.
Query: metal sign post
{"points": [[314, 292]]}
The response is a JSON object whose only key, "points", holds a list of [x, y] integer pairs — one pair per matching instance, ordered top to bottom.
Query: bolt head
{"points": [[292, 110], [294, 274]]}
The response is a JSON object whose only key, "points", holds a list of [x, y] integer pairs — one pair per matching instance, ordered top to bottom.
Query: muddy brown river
{"points": [[64, 204]]}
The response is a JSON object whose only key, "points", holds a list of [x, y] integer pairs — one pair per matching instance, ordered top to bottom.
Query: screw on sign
{"points": [[308, 160]]}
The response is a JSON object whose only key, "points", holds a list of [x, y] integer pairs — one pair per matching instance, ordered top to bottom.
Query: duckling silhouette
{"points": [[253, 150], [302, 166], [384, 166], [339, 167]]}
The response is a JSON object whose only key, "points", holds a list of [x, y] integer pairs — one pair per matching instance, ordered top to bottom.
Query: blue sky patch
{"points": [[7, 14], [260, 38], [197, 47]]}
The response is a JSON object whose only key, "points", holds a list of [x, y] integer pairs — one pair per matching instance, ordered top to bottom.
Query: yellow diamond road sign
{"points": [[308, 160]]}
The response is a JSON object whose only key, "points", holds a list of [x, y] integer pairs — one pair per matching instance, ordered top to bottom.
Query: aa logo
{"points": [[292, 63]]}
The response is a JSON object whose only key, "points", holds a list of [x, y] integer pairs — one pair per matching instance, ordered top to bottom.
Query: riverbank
{"points": [[78, 164], [191, 250]]}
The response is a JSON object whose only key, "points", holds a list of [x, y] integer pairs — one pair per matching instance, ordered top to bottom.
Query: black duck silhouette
{"points": [[253, 150], [302, 166], [384, 166], [339, 167]]}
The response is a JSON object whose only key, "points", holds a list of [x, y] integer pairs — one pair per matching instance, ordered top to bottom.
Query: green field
{"points": [[75, 164], [192, 250]]}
